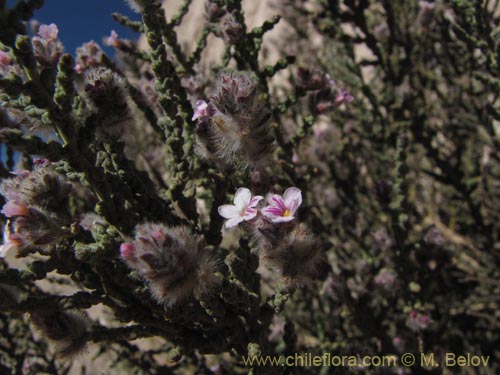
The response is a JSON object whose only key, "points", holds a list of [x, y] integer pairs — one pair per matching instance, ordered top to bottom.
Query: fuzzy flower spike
{"points": [[243, 208], [282, 208]]}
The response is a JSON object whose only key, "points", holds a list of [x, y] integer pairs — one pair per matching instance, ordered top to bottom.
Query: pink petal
{"points": [[48, 32], [4, 58], [344, 97], [201, 104], [201, 109], [242, 198], [293, 199], [255, 201], [277, 201], [11, 209], [271, 210], [229, 211], [250, 213], [157, 235]]}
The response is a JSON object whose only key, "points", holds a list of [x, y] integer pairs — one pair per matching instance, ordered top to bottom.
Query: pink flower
{"points": [[48, 32], [112, 40], [4, 59], [343, 96], [201, 109], [243, 208], [11, 209], [282, 209], [127, 250], [418, 321]]}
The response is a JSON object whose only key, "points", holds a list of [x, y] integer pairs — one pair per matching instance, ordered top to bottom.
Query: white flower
{"points": [[243, 208]]}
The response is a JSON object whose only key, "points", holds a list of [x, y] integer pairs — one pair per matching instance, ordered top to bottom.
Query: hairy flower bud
{"points": [[105, 90], [235, 130], [40, 207], [291, 249], [298, 257], [173, 261], [66, 330]]}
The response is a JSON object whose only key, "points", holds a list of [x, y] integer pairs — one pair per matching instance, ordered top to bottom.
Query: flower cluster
{"points": [[46, 46], [233, 128], [40, 207], [280, 209], [283, 244], [173, 261]]}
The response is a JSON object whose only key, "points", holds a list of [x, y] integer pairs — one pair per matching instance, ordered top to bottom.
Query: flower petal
{"points": [[201, 109], [242, 198], [293, 199], [255, 201], [277, 201], [11, 209], [271, 210], [229, 211], [250, 213], [282, 219], [234, 221]]}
